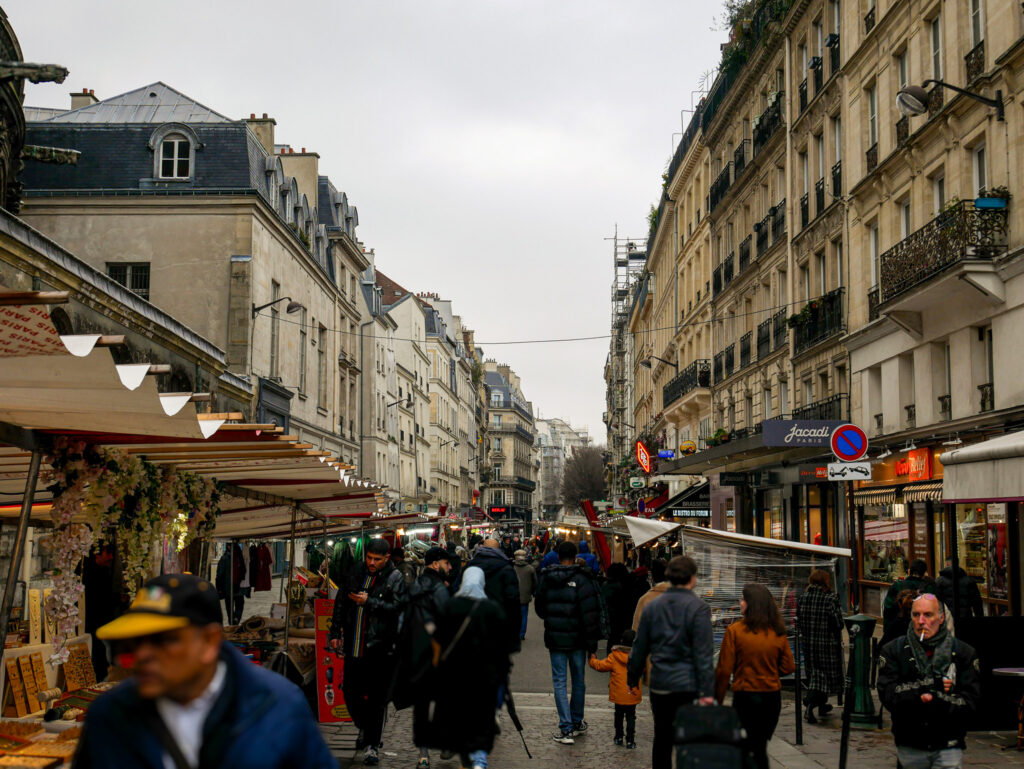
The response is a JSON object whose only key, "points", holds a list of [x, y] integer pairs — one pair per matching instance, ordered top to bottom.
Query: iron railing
{"points": [[869, 20], [975, 61], [803, 95], [936, 99], [768, 123], [902, 131], [740, 155], [871, 157], [837, 179], [719, 187], [819, 196], [805, 210], [779, 220], [763, 231], [959, 232], [744, 254], [727, 269], [716, 280], [873, 303], [824, 319], [779, 330], [764, 339], [745, 349], [729, 361], [719, 366], [697, 374], [835, 407], [945, 407], [911, 410]]}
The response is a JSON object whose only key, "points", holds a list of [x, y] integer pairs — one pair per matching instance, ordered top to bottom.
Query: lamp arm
{"points": [[996, 103]]}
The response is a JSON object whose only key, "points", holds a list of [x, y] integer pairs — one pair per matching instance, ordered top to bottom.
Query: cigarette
{"points": [[921, 639]]}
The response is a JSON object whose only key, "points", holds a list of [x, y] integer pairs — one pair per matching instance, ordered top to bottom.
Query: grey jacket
{"points": [[527, 581], [675, 631]]}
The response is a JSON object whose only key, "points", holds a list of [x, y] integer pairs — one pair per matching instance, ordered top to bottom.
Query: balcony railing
{"points": [[869, 20], [832, 43], [975, 61], [819, 73], [803, 95], [936, 98], [768, 122], [902, 131], [740, 156], [871, 157], [837, 179], [719, 187], [819, 196], [805, 210], [779, 220], [763, 230], [960, 232], [744, 254], [727, 269], [716, 280], [873, 303], [820, 319], [779, 330], [764, 339], [745, 349], [729, 361], [719, 366], [697, 374], [987, 396], [835, 407]]}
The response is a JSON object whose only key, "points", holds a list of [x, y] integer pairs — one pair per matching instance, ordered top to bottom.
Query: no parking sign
{"points": [[849, 443]]}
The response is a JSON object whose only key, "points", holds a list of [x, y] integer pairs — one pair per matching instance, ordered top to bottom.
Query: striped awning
{"points": [[927, 491], [875, 496]]}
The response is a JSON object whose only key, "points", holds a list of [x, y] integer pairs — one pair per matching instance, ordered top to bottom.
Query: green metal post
{"points": [[862, 704]]}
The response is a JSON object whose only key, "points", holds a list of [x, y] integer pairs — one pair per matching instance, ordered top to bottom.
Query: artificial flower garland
{"points": [[98, 492]]}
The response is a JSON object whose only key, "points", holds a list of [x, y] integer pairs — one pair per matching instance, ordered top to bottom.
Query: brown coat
{"points": [[655, 592], [754, 661], [618, 691]]}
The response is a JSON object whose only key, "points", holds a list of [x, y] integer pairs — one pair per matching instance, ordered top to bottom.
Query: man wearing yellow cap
{"points": [[193, 701]]}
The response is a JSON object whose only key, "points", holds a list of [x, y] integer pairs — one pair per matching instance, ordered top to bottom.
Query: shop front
{"points": [[693, 505]]}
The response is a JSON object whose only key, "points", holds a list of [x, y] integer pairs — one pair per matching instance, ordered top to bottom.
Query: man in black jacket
{"points": [[501, 585], [968, 597], [366, 613], [575, 620], [930, 683]]}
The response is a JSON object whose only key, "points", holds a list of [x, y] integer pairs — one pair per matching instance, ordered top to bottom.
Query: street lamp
{"points": [[913, 99], [292, 307], [646, 362], [407, 401]]}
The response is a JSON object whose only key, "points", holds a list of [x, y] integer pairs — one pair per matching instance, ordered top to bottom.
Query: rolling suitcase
{"points": [[709, 737]]}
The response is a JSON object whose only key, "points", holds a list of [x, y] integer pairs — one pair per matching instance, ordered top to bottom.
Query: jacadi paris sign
{"points": [[799, 432]]}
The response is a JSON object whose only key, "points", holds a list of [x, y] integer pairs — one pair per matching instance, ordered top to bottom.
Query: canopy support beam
{"points": [[272, 499], [19, 542]]}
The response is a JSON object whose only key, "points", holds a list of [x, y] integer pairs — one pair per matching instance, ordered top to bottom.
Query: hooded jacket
{"points": [[589, 558], [527, 580], [501, 583], [967, 593], [572, 609], [375, 628], [675, 631], [615, 663], [260, 719]]}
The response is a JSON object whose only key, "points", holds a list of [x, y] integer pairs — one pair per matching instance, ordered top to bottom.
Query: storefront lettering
{"points": [[797, 433], [917, 466]]}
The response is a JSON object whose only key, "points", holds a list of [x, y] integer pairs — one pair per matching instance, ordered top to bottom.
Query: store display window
{"points": [[771, 522], [886, 542], [982, 544]]}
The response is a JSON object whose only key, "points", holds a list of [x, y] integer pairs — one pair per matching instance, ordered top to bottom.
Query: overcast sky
{"points": [[490, 146]]}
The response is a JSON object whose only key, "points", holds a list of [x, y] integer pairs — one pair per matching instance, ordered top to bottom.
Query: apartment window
{"points": [[835, 16], [977, 25], [818, 39], [936, 40], [903, 69], [872, 116], [837, 136], [819, 145], [174, 157], [805, 170], [980, 175], [939, 191], [905, 219], [873, 247], [837, 249], [820, 264], [132, 275], [805, 282], [275, 323], [986, 335], [302, 351], [321, 367], [823, 385], [808, 387], [783, 396], [766, 403], [496, 420], [496, 444]]}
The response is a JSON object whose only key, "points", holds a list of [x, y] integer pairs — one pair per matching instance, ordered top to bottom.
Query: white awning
{"points": [[989, 471], [644, 530], [749, 539]]}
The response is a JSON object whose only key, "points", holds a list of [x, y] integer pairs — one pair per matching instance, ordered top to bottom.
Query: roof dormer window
{"points": [[175, 157]]}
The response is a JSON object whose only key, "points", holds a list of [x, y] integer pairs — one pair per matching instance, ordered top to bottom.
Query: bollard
{"points": [[861, 703]]}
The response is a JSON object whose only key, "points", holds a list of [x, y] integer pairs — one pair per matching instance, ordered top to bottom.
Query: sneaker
{"points": [[580, 728], [566, 738], [618, 741], [631, 745], [370, 757], [423, 763]]}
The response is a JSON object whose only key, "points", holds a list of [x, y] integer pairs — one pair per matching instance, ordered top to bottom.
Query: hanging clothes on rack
{"points": [[261, 560]]}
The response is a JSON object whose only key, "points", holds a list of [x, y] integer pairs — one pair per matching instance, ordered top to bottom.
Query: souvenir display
{"points": [[35, 617], [78, 670], [28, 678], [16, 689], [20, 729], [70, 735], [9, 744], [63, 750], [19, 761]]}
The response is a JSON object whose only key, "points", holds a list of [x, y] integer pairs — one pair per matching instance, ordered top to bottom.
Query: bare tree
{"points": [[583, 477]]}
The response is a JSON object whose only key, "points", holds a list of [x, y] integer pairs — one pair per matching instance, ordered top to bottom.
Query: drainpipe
{"points": [[790, 289], [362, 391]]}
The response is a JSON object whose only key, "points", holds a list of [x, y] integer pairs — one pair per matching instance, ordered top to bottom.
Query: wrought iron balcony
{"points": [[869, 20], [832, 43], [975, 61], [819, 75], [803, 95], [936, 99], [768, 122], [902, 131], [740, 156], [871, 157], [837, 179], [719, 187], [819, 196], [805, 210], [779, 220], [763, 230], [959, 232], [744, 254], [727, 269], [716, 280], [873, 303], [820, 319], [779, 330], [764, 339], [745, 349], [729, 360], [719, 367], [697, 374], [987, 396], [835, 407], [945, 408]]}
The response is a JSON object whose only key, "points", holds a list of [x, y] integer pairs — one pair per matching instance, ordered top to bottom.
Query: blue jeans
{"points": [[526, 614], [570, 712], [478, 758], [914, 758]]}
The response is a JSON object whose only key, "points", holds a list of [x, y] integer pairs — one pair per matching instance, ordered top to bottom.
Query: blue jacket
{"points": [[589, 558], [551, 559], [260, 721]]}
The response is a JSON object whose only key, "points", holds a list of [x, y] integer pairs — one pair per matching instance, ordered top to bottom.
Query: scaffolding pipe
{"points": [[19, 542]]}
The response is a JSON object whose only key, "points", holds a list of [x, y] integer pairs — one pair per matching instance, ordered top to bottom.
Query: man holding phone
{"points": [[365, 624]]}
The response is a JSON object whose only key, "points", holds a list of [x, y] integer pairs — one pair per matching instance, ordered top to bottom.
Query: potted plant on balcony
{"points": [[992, 197]]}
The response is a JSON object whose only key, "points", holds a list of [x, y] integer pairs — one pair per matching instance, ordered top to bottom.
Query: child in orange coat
{"points": [[624, 698]]}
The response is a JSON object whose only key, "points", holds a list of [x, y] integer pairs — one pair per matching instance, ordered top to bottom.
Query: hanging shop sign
{"points": [[799, 432], [849, 443], [687, 447], [666, 454], [643, 456], [916, 467], [732, 479], [637, 483], [330, 668]]}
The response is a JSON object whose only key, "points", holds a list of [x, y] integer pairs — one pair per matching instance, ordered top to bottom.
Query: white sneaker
{"points": [[565, 738]]}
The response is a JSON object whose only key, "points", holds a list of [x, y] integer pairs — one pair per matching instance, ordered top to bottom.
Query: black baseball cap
{"points": [[435, 554], [167, 602]]}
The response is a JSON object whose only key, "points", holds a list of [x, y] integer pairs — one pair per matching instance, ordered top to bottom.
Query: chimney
{"points": [[83, 99], [263, 127], [305, 167]]}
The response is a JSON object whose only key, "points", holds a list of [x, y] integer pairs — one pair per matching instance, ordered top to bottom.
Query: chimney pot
{"points": [[85, 90], [92, 92], [264, 115], [252, 116], [303, 150], [291, 151]]}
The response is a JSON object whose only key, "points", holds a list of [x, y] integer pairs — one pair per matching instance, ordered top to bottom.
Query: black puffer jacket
{"points": [[501, 583], [430, 592], [967, 594], [381, 612], [574, 614], [935, 725]]}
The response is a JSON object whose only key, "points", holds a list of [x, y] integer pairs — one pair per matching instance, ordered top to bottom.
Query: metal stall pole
{"points": [[19, 541], [954, 554], [288, 605], [797, 686]]}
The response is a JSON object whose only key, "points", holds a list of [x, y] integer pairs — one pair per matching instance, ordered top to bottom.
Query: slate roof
{"points": [[154, 103]]}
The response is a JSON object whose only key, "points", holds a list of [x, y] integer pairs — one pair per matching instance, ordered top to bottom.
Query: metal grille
{"points": [[133, 276]]}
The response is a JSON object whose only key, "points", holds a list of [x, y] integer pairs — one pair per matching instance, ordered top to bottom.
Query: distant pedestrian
{"points": [[588, 557], [407, 569], [917, 582], [502, 586], [527, 587], [656, 590], [967, 594], [618, 601], [574, 621], [820, 622], [675, 633], [755, 654], [930, 683], [624, 697]]}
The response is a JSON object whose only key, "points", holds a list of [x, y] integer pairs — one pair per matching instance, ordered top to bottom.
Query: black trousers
{"points": [[365, 687], [664, 707], [625, 713], [759, 715]]}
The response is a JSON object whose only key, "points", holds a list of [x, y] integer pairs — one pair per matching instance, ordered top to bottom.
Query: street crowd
{"points": [[407, 634]]}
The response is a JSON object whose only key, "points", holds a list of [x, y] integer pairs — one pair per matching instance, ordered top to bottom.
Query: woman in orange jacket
{"points": [[755, 654], [624, 698]]}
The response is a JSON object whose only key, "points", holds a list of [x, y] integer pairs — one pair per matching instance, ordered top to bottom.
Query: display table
{"points": [[46, 650], [1014, 673]]}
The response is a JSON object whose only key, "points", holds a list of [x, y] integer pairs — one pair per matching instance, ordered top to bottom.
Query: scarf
{"points": [[941, 645]]}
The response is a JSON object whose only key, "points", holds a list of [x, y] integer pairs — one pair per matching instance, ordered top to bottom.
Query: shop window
{"points": [[771, 523], [886, 540], [982, 545]]}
